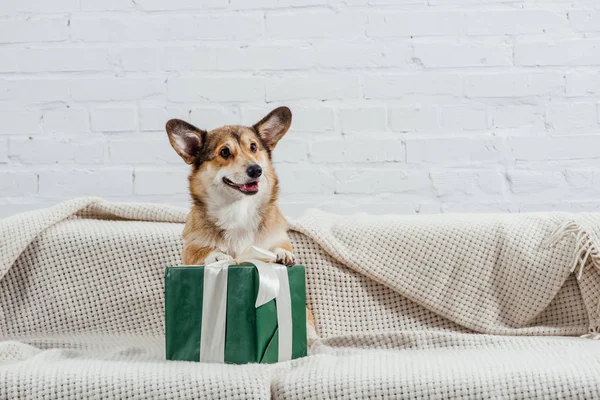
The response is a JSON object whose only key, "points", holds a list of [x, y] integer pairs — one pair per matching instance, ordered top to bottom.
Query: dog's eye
{"points": [[253, 148], [225, 152]]}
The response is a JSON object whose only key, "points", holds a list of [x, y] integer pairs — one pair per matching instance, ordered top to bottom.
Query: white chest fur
{"points": [[240, 221]]}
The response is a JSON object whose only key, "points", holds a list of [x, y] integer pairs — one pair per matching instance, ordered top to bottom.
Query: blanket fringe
{"points": [[585, 252], [593, 334]]}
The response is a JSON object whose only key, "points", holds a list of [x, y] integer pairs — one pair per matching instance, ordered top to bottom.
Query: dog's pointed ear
{"points": [[272, 127], [185, 138]]}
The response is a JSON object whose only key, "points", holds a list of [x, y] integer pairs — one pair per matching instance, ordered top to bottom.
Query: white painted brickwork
{"points": [[410, 106]]}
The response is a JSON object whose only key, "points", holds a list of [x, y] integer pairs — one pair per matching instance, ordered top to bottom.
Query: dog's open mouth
{"points": [[246, 188]]}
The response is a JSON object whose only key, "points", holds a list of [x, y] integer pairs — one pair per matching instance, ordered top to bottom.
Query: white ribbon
{"points": [[273, 284], [214, 311]]}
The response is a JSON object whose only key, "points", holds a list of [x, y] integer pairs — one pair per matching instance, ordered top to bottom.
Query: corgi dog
{"points": [[234, 190]]}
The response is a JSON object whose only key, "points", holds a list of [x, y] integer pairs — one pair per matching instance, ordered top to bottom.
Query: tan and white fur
{"points": [[234, 189]]}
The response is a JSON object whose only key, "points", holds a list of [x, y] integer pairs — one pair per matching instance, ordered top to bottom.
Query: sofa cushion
{"points": [[544, 368]]}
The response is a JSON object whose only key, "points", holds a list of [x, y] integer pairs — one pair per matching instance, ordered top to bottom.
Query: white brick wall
{"points": [[399, 106]]}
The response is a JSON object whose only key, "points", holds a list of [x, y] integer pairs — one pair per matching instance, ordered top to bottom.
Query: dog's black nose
{"points": [[254, 171]]}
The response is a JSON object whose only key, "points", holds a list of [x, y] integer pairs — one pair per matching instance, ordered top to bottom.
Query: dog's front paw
{"points": [[215, 256], [285, 257]]}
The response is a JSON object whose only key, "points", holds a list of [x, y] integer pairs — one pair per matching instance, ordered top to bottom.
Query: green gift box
{"points": [[251, 333]]}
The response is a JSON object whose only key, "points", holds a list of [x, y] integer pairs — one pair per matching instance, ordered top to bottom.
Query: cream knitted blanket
{"points": [[506, 274], [81, 313]]}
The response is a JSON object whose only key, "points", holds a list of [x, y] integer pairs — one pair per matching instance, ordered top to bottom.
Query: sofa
{"points": [[450, 306]]}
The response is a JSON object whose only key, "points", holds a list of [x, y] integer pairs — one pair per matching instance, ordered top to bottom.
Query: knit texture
{"points": [[404, 306]]}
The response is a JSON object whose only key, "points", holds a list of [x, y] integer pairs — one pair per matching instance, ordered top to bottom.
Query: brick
{"points": [[386, 2], [464, 2], [245, 4], [258, 4], [107, 5], [177, 5], [10, 7], [585, 20], [515, 22], [419, 23], [346, 25], [236, 26], [166, 27], [51, 29], [115, 29], [566, 52], [329, 54], [451, 54], [265, 57], [180, 58], [10, 60], [55, 60], [583, 83], [515, 84], [399, 86], [312, 87], [116, 89], [223, 89], [33, 90], [252, 114], [517, 116], [569, 116], [464, 117], [154, 118], [211, 118], [414, 118], [113, 119], [304, 119], [312, 119], [362, 119], [66, 121], [20, 122], [570, 147], [155, 149], [58, 150], [291, 150], [455, 150], [3, 151], [357, 151], [300, 178], [380, 180], [161, 181], [583, 181], [84, 182], [17, 183], [537, 183], [465, 184], [388, 203], [524, 206], [564, 206], [585, 206], [9, 207], [428, 207], [478, 207]]}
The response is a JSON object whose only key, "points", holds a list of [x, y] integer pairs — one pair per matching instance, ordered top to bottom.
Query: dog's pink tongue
{"points": [[250, 187]]}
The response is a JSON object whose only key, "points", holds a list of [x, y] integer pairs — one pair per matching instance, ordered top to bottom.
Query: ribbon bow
{"points": [[273, 284]]}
